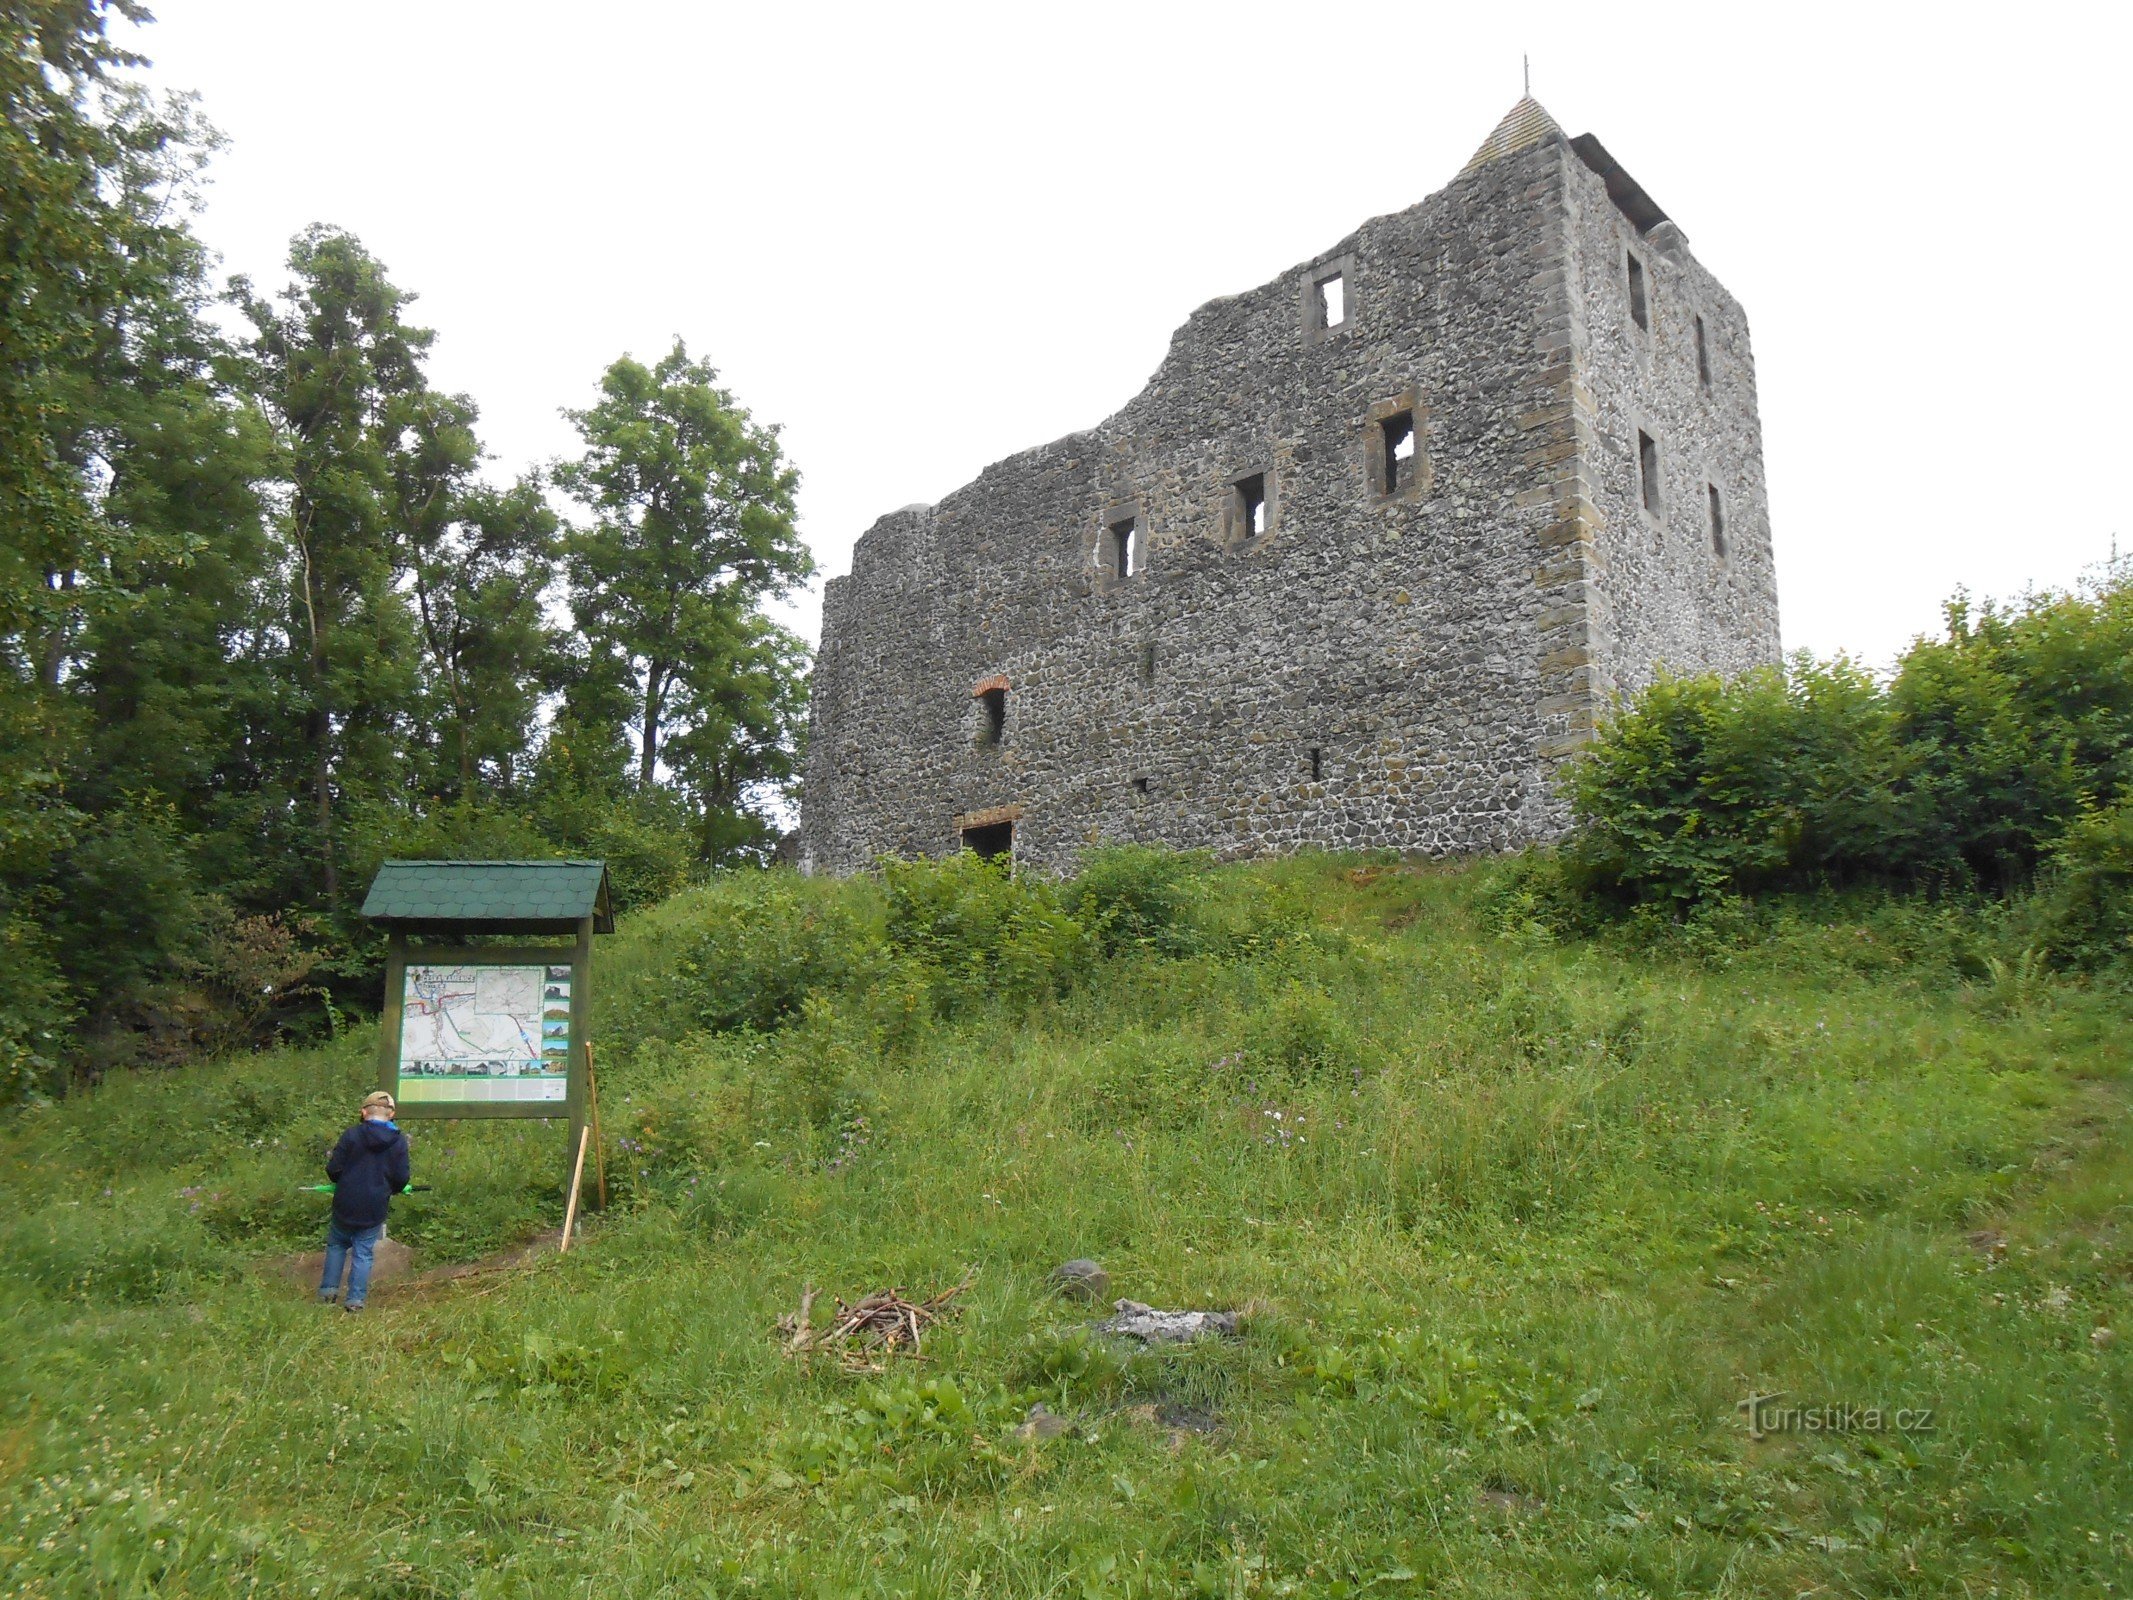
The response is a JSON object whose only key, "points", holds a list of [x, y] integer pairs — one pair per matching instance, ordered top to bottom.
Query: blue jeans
{"points": [[350, 1248]]}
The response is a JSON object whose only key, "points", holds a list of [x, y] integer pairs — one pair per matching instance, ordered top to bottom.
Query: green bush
{"points": [[1967, 769], [1705, 788], [1140, 898], [2087, 907], [983, 933], [761, 945], [37, 1014], [1303, 1033]]}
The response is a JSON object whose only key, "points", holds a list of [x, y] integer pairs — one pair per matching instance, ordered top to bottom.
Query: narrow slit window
{"points": [[1332, 301], [1640, 311], [1703, 359], [1396, 446], [1648, 470], [1251, 505], [1718, 523], [1122, 548], [1148, 662], [992, 716], [1318, 764]]}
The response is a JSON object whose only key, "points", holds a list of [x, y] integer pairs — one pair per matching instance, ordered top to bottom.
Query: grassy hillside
{"points": [[1519, 1223]]}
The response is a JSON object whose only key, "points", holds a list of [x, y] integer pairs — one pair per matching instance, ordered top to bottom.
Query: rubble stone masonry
{"points": [[1242, 614]]}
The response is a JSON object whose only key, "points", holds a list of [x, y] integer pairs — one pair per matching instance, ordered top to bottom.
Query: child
{"points": [[368, 1167]]}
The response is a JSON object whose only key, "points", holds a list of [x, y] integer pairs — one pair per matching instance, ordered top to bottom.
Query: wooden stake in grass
{"points": [[577, 1172]]}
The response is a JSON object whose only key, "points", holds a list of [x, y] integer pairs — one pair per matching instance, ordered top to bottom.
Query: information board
{"points": [[482, 1034]]}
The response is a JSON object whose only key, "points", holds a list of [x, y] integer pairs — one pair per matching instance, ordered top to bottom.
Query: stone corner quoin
{"points": [[1359, 568]]}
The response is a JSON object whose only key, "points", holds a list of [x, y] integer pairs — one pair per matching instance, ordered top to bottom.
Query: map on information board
{"points": [[474, 1033]]}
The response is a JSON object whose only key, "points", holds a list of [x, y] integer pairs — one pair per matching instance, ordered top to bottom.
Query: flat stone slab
{"points": [[1136, 1321]]}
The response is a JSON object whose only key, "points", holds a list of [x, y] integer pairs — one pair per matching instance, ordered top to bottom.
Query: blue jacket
{"points": [[368, 1167]]}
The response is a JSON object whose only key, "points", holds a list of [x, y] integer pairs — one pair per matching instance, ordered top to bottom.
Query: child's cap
{"points": [[379, 1100]]}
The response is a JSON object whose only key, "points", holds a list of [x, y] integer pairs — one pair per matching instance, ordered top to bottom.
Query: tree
{"points": [[58, 252], [58, 257], [341, 374], [692, 530], [479, 584], [172, 672], [743, 712]]}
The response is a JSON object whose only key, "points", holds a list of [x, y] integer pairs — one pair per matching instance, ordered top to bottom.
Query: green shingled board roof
{"points": [[490, 892]]}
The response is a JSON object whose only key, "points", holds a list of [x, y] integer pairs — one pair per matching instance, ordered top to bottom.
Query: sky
{"points": [[920, 238]]}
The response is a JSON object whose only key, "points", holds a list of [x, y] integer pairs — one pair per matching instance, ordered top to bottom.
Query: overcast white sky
{"points": [[924, 237]]}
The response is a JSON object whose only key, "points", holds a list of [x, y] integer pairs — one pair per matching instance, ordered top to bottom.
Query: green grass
{"points": [[1520, 1224]]}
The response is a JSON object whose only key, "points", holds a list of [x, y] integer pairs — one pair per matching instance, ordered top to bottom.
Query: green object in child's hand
{"points": [[327, 1188]]}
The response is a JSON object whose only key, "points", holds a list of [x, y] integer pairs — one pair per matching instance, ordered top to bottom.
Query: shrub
{"points": [[1968, 768], [1705, 788], [1135, 897], [2087, 907], [982, 933], [759, 946], [37, 1014], [1303, 1033]]}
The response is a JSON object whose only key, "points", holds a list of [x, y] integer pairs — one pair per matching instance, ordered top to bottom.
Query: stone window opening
{"points": [[1328, 290], [1332, 301], [1640, 311], [1703, 356], [1396, 452], [1648, 471], [1249, 509], [1718, 522], [1121, 535], [1148, 661], [992, 715], [1318, 764], [1140, 785], [991, 841]]}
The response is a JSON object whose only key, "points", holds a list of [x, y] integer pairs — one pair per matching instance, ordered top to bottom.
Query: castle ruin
{"points": [[1360, 567]]}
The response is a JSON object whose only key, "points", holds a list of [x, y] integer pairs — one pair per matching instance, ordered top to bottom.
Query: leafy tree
{"points": [[57, 254], [341, 374], [692, 530], [479, 582], [174, 681], [743, 711]]}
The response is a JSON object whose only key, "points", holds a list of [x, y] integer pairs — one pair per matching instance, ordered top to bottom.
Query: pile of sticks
{"points": [[861, 1335]]}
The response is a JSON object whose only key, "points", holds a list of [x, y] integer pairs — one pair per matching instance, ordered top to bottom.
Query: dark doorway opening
{"points": [[995, 841]]}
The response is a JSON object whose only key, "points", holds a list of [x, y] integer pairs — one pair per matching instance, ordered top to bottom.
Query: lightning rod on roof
{"points": [[1525, 67]]}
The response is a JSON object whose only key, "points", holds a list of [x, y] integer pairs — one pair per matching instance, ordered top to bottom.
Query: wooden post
{"points": [[390, 1018], [580, 1035], [592, 1088], [570, 1212]]}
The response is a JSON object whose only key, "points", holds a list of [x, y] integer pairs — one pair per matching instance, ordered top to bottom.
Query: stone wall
{"points": [[1398, 665]]}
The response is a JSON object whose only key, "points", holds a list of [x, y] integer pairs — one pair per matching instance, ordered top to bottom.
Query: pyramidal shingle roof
{"points": [[1524, 125], [494, 896]]}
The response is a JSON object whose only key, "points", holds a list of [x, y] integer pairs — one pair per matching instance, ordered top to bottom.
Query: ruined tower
{"points": [[1359, 567]]}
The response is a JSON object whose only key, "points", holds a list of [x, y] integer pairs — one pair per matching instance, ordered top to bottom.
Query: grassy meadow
{"points": [[1518, 1220]]}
